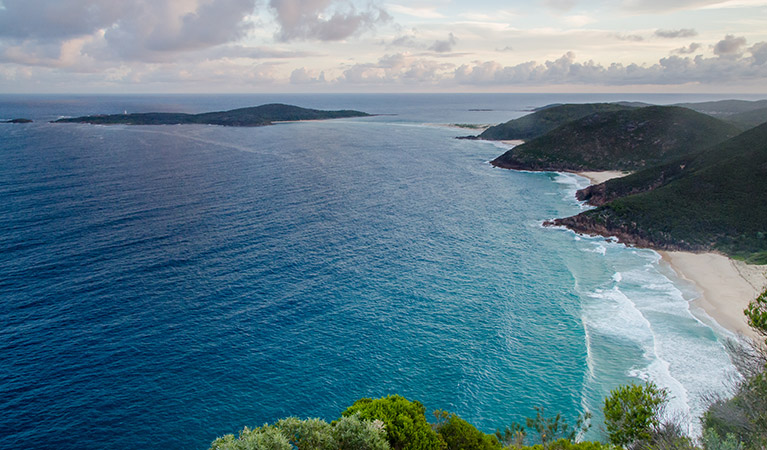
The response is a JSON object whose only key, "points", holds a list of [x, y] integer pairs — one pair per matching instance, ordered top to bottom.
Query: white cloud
{"points": [[560, 5], [422, 12], [315, 19], [145, 30], [671, 70], [303, 75]]}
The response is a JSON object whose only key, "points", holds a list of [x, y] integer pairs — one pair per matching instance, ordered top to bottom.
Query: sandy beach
{"points": [[601, 177], [726, 286]]}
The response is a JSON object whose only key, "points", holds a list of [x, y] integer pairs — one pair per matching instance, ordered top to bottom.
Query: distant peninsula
{"points": [[243, 117], [619, 138], [698, 181]]}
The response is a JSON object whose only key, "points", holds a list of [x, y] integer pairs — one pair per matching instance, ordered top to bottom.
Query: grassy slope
{"points": [[255, 116], [545, 120], [620, 140], [717, 202]]}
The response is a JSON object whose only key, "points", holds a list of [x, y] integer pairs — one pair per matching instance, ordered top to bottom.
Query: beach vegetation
{"points": [[756, 312], [633, 413], [404, 420], [348, 433], [459, 434]]}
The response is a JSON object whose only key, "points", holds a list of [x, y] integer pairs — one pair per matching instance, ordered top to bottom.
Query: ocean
{"points": [[161, 286]]}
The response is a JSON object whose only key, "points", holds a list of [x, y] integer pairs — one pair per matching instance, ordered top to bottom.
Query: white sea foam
{"points": [[643, 308]]}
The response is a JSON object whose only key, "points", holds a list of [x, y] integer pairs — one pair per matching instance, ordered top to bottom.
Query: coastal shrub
{"points": [[756, 312], [632, 413], [743, 416], [405, 422], [555, 428], [353, 433], [309, 434], [459, 434], [512, 436], [667, 436], [263, 438], [712, 441], [566, 444]]}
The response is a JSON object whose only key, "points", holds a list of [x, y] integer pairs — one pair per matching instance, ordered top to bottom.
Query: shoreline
{"points": [[599, 177], [726, 286]]}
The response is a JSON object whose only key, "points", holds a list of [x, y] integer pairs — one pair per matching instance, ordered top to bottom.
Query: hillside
{"points": [[722, 108], [743, 113], [243, 117], [749, 119], [544, 120], [629, 139], [716, 200]]}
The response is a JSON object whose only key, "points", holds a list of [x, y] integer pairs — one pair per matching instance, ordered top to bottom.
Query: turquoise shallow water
{"points": [[165, 285]]}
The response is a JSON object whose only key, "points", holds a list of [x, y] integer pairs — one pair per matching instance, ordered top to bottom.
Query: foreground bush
{"points": [[633, 413], [404, 421], [348, 433], [459, 434]]}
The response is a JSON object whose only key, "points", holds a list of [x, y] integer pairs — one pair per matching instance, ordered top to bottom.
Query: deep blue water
{"points": [[161, 286]]}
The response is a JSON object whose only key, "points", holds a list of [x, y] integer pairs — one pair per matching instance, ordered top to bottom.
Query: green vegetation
{"points": [[725, 108], [744, 114], [243, 117], [546, 119], [749, 119], [629, 139], [716, 200], [633, 413], [405, 421], [740, 422], [348, 433], [458, 434]]}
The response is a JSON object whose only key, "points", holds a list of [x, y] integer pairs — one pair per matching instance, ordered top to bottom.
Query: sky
{"points": [[255, 46]]}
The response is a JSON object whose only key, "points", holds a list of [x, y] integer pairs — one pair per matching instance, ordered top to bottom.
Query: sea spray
{"points": [[639, 328]]}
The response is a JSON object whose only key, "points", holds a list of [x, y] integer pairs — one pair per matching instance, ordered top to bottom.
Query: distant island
{"points": [[243, 117], [17, 121], [699, 181]]}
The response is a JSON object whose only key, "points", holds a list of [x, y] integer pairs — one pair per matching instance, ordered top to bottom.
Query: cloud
{"points": [[560, 5], [423, 13], [24, 19], [309, 19], [146, 30], [683, 33], [629, 37], [407, 40], [444, 46], [730, 47], [692, 48], [759, 53], [397, 68], [667, 71], [305, 76]]}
